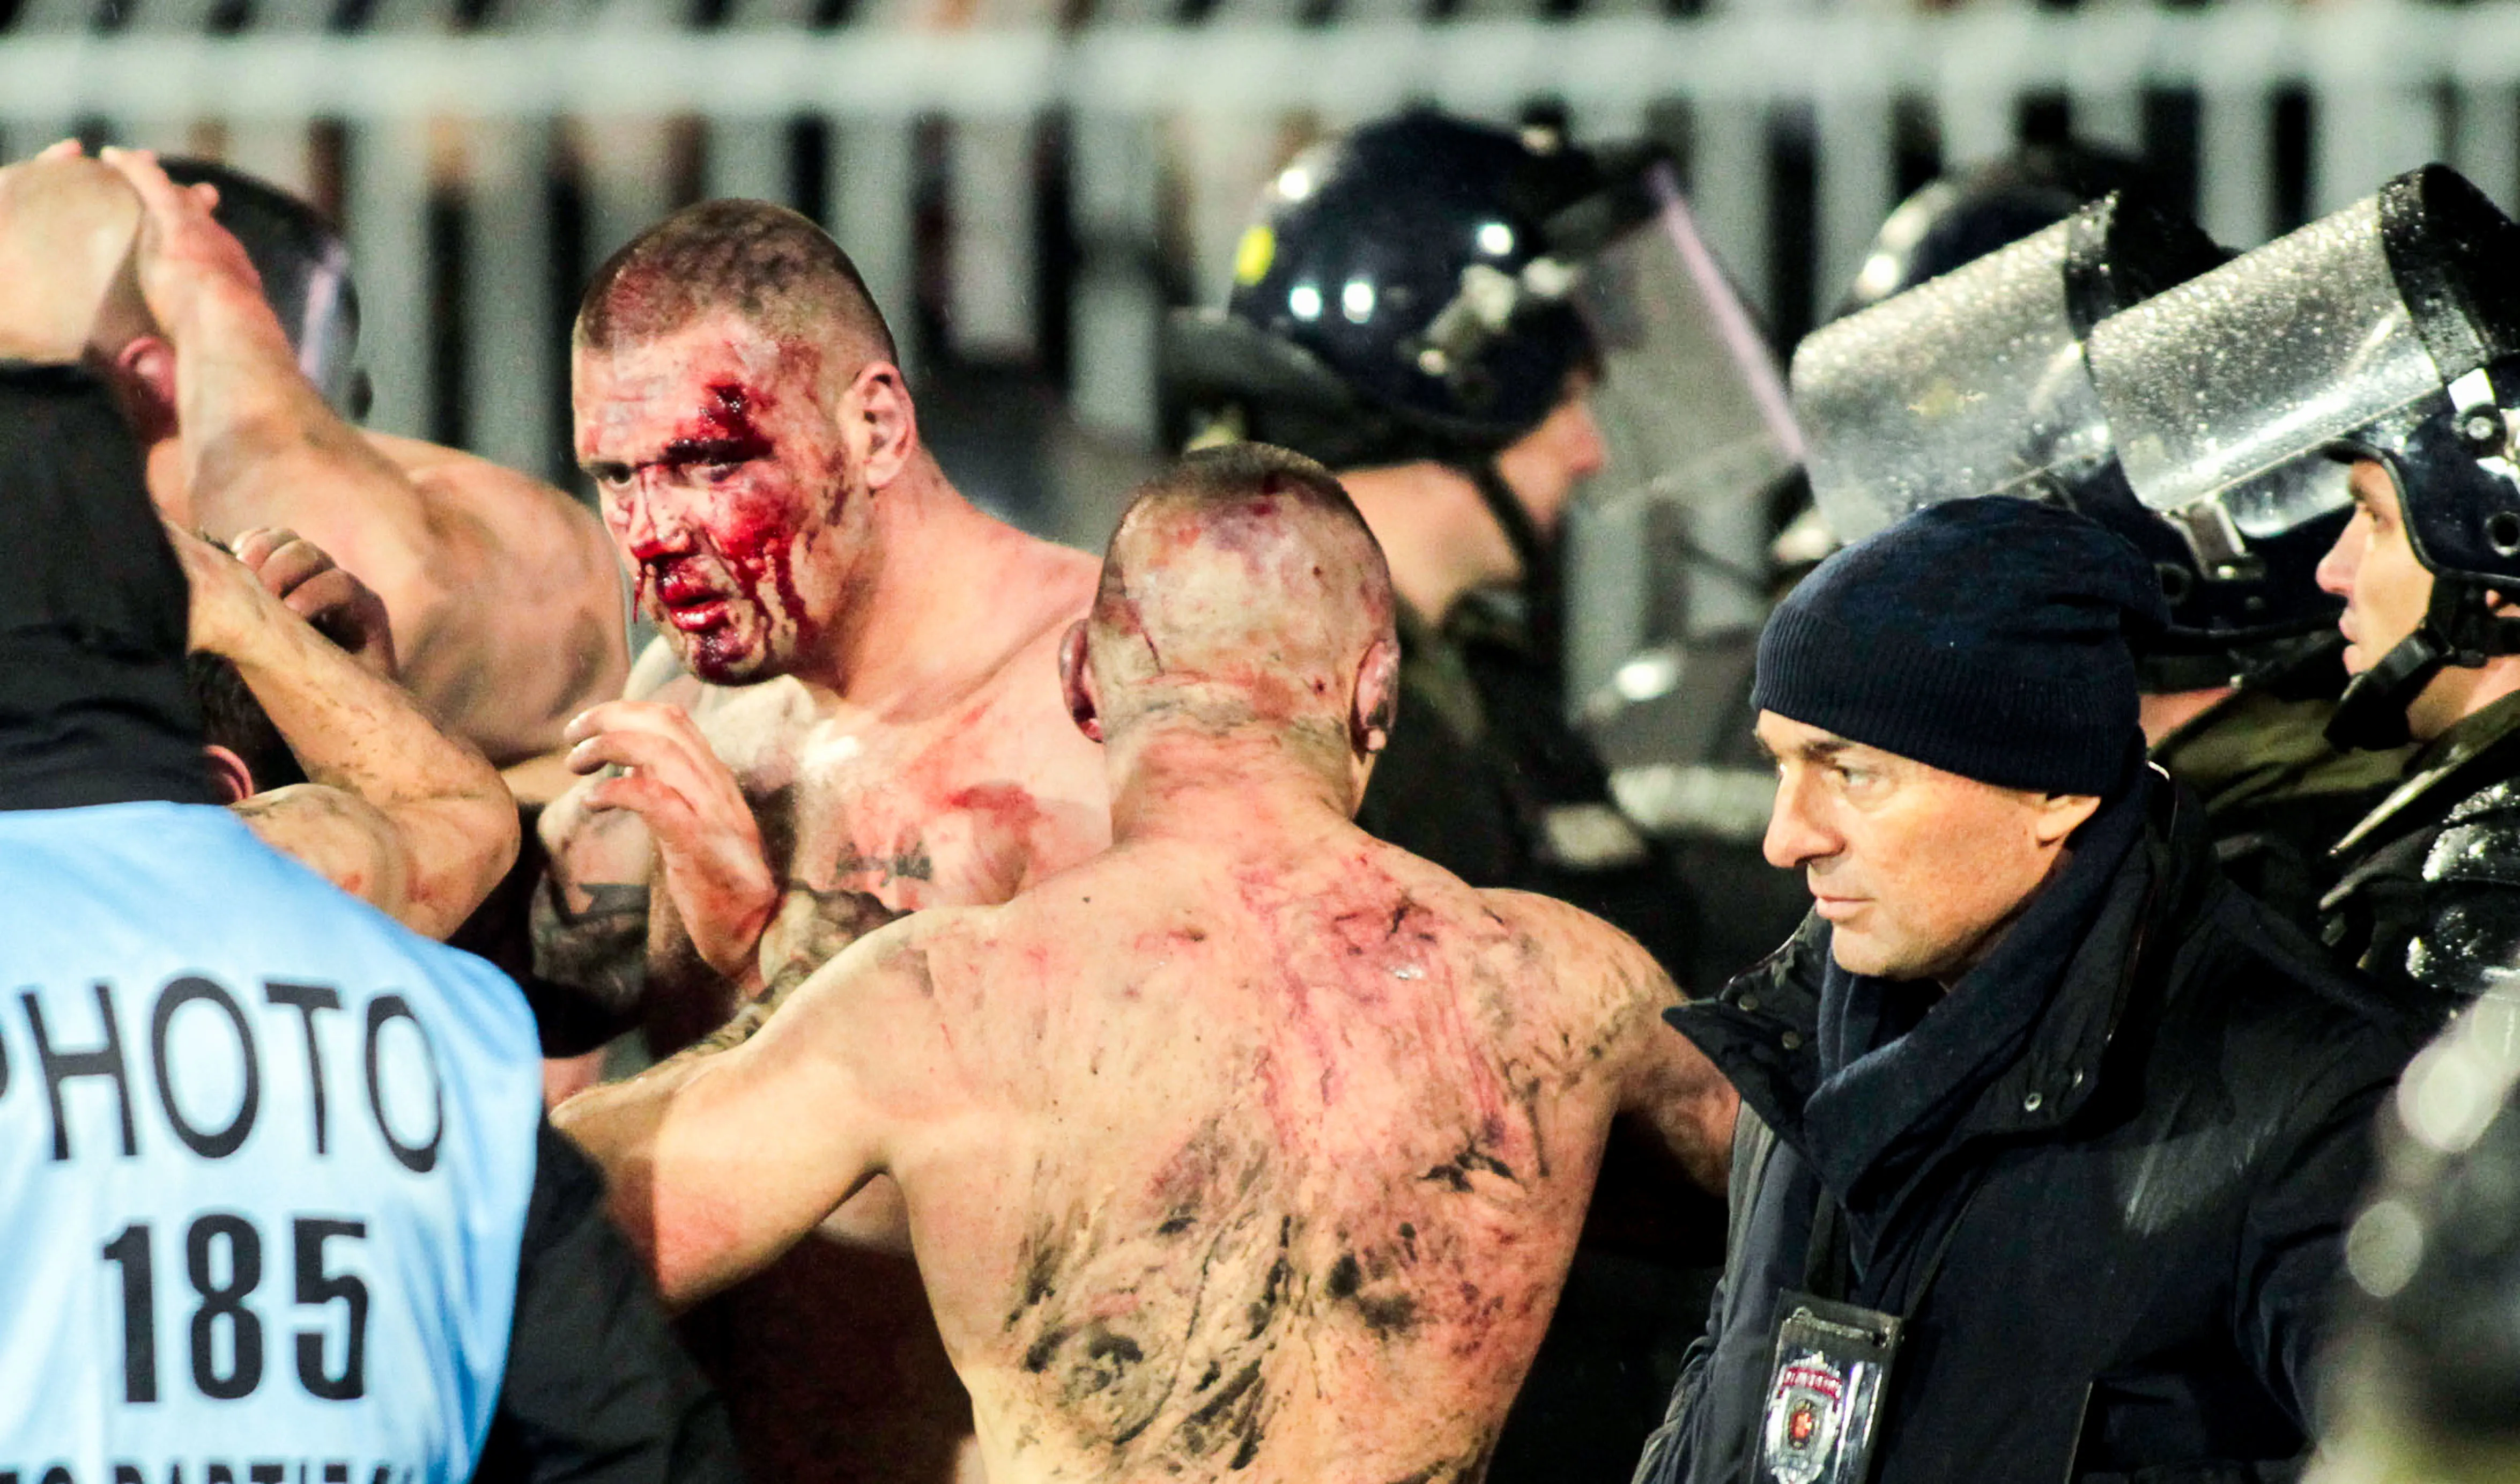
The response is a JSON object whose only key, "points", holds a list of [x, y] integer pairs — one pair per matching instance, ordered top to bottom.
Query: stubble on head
{"points": [[68, 284], [1242, 590]]}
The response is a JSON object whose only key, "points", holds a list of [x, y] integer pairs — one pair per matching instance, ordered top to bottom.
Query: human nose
{"points": [[1588, 451], [649, 526], [2336, 569], [1795, 835]]}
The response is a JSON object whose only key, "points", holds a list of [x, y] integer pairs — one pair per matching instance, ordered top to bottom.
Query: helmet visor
{"points": [[1969, 385], [2228, 388], [1669, 539]]}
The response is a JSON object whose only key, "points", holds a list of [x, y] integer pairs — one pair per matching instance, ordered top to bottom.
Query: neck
{"points": [[1435, 533], [947, 593], [2458, 692], [2160, 715], [1189, 780], [1984, 948]]}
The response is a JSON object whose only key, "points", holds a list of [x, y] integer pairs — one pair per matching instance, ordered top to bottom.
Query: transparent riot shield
{"points": [[1669, 540]]}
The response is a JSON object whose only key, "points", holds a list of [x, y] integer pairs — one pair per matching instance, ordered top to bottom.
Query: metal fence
{"points": [[1033, 191]]}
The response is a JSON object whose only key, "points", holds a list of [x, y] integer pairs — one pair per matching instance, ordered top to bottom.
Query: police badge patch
{"points": [[1824, 1392], [1804, 1416]]}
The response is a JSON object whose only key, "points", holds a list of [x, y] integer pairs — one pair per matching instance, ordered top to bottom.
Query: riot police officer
{"points": [[1446, 313], [2360, 373], [280, 1201]]}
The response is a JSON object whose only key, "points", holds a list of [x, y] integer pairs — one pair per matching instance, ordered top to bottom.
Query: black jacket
{"points": [[1483, 777], [2427, 894], [2145, 1189]]}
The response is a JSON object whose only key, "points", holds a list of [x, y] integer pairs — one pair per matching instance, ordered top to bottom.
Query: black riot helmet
{"points": [[1961, 218], [306, 270], [1408, 293], [1400, 295], [2388, 331], [1979, 383]]}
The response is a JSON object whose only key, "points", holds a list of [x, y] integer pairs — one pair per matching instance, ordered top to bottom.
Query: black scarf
{"points": [[93, 606], [1904, 1065]]}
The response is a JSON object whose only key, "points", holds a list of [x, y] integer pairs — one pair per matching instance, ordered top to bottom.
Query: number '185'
{"points": [[223, 1260]]}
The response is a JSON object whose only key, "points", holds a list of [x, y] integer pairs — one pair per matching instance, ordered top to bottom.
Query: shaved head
{"points": [[772, 267], [68, 284], [1241, 587]]}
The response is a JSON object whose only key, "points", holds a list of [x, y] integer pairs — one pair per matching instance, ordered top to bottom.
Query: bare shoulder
{"points": [[468, 479], [1567, 931], [1592, 966], [888, 1004]]}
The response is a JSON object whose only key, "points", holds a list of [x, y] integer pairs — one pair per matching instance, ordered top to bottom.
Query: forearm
{"points": [[263, 449], [447, 816], [624, 1127]]}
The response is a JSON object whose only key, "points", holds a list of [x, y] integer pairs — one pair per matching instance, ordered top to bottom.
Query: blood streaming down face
{"points": [[725, 485]]}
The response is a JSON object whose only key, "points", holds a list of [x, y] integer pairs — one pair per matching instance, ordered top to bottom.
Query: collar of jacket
{"points": [[2448, 769], [1763, 1030]]}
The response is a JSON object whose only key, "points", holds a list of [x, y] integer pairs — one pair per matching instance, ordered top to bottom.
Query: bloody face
{"points": [[725, 484]]}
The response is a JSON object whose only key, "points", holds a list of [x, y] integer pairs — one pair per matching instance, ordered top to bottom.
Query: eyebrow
{"points": [[712, 450], [678, 454], [1823, 750]]}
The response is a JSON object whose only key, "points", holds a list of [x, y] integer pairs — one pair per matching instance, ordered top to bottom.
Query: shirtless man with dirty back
{"points": [[854, 713], [1253, 1148]]}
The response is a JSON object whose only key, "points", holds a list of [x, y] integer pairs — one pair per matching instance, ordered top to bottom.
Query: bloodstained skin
{"points": [[753, 524]]}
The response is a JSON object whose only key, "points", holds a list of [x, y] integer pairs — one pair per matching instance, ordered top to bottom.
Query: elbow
{"points": [[477, 838]]}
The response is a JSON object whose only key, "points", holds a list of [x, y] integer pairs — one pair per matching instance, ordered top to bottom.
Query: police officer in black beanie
{"points": [[2048, 1130]]}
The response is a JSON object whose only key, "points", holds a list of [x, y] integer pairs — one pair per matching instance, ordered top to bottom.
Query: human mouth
{"points": [[690, 603], [1835, 909]]}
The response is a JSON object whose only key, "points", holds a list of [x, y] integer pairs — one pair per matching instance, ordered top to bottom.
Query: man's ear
{"points": [[145, 369], [884, 423], [1076, 683], [1375, 705], [228, 774], [2058, 815]]}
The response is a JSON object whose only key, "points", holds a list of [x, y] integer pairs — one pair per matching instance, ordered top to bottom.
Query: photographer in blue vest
{"points": [[2049, 1133], [277, 1202]]}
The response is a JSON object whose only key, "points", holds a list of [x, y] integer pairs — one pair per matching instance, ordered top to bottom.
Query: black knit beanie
{"points": [[1984, 637]]}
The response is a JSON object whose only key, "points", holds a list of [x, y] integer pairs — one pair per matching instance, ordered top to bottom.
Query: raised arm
{"points": [[466, 570], [397, 812], [719, 1161]]}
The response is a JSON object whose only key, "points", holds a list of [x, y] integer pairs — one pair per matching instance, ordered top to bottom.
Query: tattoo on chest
{"points": [[911, 865], [610, 905], [600, 949]]}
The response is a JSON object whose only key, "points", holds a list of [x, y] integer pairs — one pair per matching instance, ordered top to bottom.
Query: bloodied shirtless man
{"points": [[854, 713], [1253, 1148]]}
